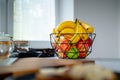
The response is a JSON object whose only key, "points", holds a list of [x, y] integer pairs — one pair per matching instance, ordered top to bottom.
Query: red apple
{"points": [[88, 42], [83, 45], [82, 54]]}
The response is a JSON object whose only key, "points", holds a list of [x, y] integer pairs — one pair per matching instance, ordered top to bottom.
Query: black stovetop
{"points": [[33, 52]]}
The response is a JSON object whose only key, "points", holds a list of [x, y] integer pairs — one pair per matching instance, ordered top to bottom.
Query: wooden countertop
{"points": [[31, 65]]}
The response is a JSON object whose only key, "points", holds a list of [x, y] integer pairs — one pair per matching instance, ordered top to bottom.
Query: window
{"points": [[33, 19], [12, 21]]}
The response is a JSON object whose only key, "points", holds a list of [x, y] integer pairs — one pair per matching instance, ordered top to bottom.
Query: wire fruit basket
{"points": [[65, 49]]}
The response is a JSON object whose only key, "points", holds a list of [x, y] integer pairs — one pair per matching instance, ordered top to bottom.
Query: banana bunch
{"points": [[66, 27], [74, 31]]}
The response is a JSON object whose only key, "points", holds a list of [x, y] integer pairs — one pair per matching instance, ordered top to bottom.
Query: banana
{"points": [[65, 24], [88, 27], [79, 28], [54, 31], [67, 32], [80, 33], [84, 33], [56, 36], [76, 37]]}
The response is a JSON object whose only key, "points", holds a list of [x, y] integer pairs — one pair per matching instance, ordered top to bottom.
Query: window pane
{"points": [[33, 19]]}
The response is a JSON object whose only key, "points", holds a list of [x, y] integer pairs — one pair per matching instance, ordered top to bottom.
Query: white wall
{"points": [[66, 10], [102, 14], [0, 16], [3, 16], [10, 17], [119, 25], [40, 44]]}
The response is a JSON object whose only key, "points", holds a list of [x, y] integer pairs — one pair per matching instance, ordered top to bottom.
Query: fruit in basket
{"points": [[65, 24], [88, 27], [65, 28], [54, 30], [80, 30], [67, 32], [80, 33], [84, 33], [68, 35], [76, 36], [88, 42], [55, 45], [64, 45], [84, 45], [83, 49], [73, 53], [61, 54], [82, 54]]}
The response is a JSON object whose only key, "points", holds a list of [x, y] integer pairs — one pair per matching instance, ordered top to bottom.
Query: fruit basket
{"points": [[66, 48]]}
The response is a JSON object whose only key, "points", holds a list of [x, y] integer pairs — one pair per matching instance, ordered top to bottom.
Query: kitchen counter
{"points": [[29, 65], [23, 66]]}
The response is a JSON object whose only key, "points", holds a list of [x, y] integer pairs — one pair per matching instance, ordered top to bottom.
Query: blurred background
{"points": [[33, 20]]}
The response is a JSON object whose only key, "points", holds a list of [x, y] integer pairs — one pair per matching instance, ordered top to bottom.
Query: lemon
{"points": [[73, 53]]}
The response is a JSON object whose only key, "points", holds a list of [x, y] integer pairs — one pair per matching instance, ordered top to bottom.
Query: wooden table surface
{"points": [[31, 65]]}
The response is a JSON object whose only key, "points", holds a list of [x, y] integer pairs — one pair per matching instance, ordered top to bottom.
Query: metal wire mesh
{"points": [[64, 47]]}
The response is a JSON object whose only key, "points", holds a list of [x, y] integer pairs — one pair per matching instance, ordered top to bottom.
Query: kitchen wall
{"points": [[65, 10], [3, 12], [103, 15], [0, 16], [6, 17], [119, 25]]}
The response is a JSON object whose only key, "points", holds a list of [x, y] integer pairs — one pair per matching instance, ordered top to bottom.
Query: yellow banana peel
{"points": [[65, 24], [88, 27], [79, 29], [67, 30], [54, 31], [80, 33], [84, 33], [76, 37]]}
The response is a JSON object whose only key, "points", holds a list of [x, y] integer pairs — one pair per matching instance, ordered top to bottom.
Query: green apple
{"points": [[73, 53]]}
